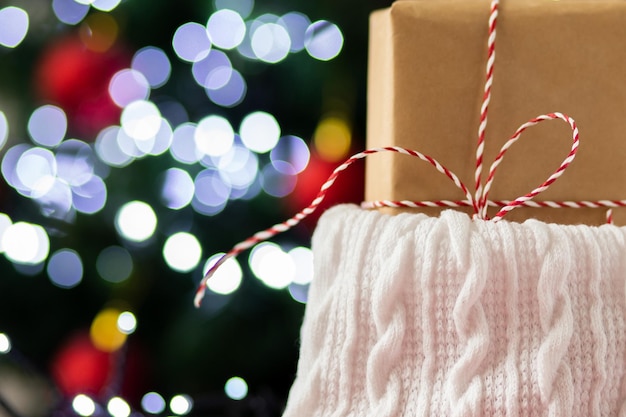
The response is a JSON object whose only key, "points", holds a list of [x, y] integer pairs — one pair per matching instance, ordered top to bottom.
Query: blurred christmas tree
{"points": [[138, 140]]}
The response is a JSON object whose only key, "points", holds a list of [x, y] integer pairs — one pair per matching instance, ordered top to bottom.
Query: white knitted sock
{"points": [[410, 315]]}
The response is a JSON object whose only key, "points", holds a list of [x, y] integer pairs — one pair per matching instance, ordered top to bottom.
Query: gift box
{"points": [[425, 86]]}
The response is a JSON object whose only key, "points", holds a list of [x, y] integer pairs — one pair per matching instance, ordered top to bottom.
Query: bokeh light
{"points": [[105, 5], [242, 7], [69, 12], [296, 25], [13, 26], [226, 29], [98, 32], [323, 40], [191, 42], [271, 43], [245, 47], [154, 64], [214, 71], [218, 78], [128, 85], [230, 94], [141, 120], [47, 125], [4, 130], [259, 131], [214, 135], [332, 139], [161, 141], [134, 147], [183, 147], [108, 148], [292, 150], [75, 162], [9, 165], [239, 168], [36, 169], [32, 171], [278, 179], [177, 188], [254, 190], [211, 192], [90, 197], [56, 201], [136, 221], [5, 222], [25, 243], [182, 251], [303, 260], [114, 264], [271, 265], [65, 268], [29, 269], [227, 278], [299, 292], [127, 322], [104, 333], [5, 344], [236, 388], [153, 403], [181, 404], [83, 405], [118, 407]]}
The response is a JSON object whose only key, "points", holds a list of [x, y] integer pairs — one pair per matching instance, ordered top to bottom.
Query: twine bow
{"points": [[478, 201]]}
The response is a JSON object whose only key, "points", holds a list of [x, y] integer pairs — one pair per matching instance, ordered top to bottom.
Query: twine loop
{"points": [[479, 201]]}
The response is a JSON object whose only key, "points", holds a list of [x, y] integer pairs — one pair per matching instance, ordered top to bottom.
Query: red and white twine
{"points": [[484, 108], [479, 201], [288, 224]]}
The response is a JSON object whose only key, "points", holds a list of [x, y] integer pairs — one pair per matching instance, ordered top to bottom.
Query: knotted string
{"points": [[484, 108], [469, 199], [479, 201]]}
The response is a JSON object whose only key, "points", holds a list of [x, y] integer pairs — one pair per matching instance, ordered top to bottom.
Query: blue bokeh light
{"points": [[69, 11], [14, 23], [226, 29], [323, 40], [191, 42], [154, 64], [47, 125], [177, 188], [65, 268]]}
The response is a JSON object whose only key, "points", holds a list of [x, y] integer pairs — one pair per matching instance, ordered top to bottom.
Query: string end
{"points": [[201, 290]]}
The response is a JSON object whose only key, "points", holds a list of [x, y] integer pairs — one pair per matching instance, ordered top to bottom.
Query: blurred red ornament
{"points": [[76, 79], [348, 188], [79, 367]]}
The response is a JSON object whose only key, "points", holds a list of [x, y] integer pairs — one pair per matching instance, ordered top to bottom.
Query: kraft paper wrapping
{"points": [[425, 85]]}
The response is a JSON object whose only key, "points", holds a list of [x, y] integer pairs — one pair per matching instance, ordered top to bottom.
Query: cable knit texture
{"points": [[410, 315]]}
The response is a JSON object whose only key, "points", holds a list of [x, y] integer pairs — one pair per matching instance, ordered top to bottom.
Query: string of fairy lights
{"points": [[217, 162]]}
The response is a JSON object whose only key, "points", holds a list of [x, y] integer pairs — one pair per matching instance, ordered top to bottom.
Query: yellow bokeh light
{"points": [[99, 32], [332, 139], [105, 333]]}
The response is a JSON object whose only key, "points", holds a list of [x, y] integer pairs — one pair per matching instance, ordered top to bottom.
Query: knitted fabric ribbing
{"points": [[411, 315]]}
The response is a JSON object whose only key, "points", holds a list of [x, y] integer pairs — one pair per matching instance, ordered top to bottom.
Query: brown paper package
{"points": [[425, 85]]}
